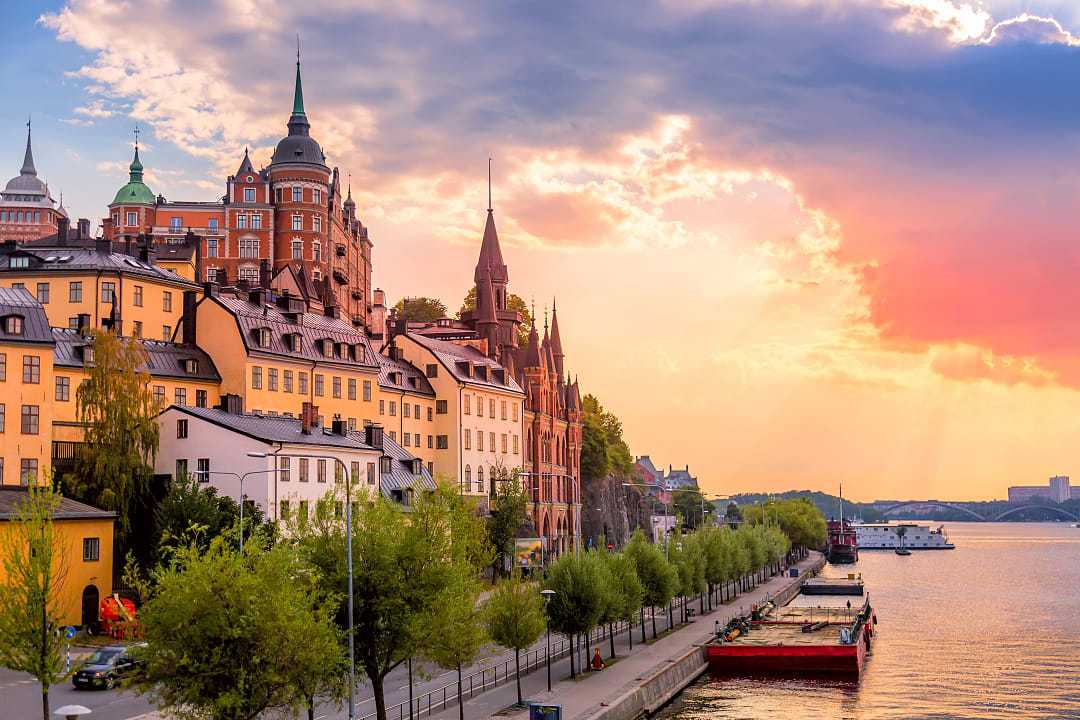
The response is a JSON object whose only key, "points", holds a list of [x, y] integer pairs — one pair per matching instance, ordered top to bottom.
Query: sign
{"points": [[529, 552], [69, 632]]}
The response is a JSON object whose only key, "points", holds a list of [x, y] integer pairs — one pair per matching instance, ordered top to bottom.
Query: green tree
{"points": [[513, 302], [420, 309], [117, 408], [603, 449], [688, 504], [508, 513], [732, 515], [689, 561], [659, 580], [625, 592], [579, 597], [31, 605], [514, 615], [456, 632], [230, 636]]}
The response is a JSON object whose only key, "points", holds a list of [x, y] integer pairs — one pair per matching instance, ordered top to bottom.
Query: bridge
{"points": [[977, 516]]}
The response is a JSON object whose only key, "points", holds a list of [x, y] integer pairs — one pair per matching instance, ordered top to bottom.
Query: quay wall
{"points": [[650, 692]]}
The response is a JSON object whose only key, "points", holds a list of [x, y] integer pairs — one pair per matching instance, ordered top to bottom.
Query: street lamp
{"points": [[241, 478], [547, 595]]}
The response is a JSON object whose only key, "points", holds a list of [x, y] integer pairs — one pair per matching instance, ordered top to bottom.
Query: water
{"points": [[988, 630]]}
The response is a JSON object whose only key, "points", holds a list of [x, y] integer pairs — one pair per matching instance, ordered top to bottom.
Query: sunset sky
{"points": [[793, 243]]}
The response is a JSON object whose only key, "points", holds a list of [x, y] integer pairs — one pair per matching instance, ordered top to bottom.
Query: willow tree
{"points": [[117, 407], [31, 610]]}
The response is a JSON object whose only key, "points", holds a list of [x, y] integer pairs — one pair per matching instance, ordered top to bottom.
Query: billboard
{"points": [[529, 552]]}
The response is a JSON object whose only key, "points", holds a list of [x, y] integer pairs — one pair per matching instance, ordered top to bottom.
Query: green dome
{"points": [[136, 191]]}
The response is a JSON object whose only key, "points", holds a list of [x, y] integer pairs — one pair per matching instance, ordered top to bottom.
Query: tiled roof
{"points": [[66, 258], [19, 301], [312, 327], [450, 354], [163, 359], [411, 379], [273, 429], [401, 476], [12, 497]]}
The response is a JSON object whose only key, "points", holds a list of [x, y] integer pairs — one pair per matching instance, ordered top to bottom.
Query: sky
{"points": [[793, 243]]}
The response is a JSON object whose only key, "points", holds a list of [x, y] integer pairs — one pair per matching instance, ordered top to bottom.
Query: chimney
{"points": [[83, 229], [62, 230], [103, 245], [127, 246], [147, 253], [264, 274], [210, 289], [257, 296], [191, 298], [332, 311], [83, 324], [232, 404], [309, 417], [340, 427], [373, 435]]}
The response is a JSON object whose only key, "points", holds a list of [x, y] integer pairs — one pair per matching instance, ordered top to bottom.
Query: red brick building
{"points": [[27, 210], [289, 216]]}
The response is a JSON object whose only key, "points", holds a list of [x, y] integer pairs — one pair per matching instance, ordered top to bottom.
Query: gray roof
{"points": [[65, 258], [19, 301], [312, 327], [455, 357], [163, 359], [411, 380], [401, 476], [11, 498]]}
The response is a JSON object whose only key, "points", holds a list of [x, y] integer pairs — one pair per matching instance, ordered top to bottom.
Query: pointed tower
{"points": [[298, 146], [28, 157], [246, 167], [136, 192], [350, 204], [490, 264], [487, 321], [556, 342]]}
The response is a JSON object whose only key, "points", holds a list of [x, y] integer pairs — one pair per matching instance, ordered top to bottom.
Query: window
{"points": [[297, 194], [249, 195], [316, 196], [132, 218], [115, 219], [256, 221], [241, 222], [297, 222], [316, 222], [175, 223], [212, 224], [249, 247], [211, 248], [297, 249], [316, 252], [19, 262], [249, 274], [75, 292], [108, 292], [43, 293], [137, 297], [166, 301], [136, 328], [166, 333], [3, 366], [31, 369], [432, 370], [256, 378], [301, 378], [271, 379], [287, 380], [319, 386], [336, 387], [63, 388], [352, 388], [367, 391], [159, 395], [180, 396], [200, 398], [468, 404], [479, 406], [382, 407], [440, 407], [393, 408], [491, 408], [406, 410], [502, 410], [416, 411], [514, 411], [429, 416], [3, 417], [352, 424], [181, 429], [393, 435], [503, 438], [416, 439], [468, 439], [407, 440], [480, 440], [491, 441], [429, 442], [516, 450], [385, 464], [181, 468], [203, 468], [284, 468], [303, 469], [354, 470], [28, 471], [320, 471], [371, 473], [468, 476], [480, 478], [283, 511]]}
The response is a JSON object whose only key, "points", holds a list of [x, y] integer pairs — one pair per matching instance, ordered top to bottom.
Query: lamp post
{"points": [[241, 477], [667, 555], [348, 560], [547, 595]]}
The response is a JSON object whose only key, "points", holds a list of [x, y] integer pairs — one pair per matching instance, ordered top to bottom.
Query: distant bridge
{"points": [[983, 518]]}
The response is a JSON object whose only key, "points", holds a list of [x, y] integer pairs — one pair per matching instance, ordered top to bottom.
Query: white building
{"points": [[287, 464], [1059, 488]]}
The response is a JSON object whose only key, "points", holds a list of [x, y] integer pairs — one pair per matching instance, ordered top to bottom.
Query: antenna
{"points": [[297, 48], [489, 184]]}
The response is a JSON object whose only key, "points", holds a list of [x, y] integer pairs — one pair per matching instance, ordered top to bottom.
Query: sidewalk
{"points": [[584, 695]]}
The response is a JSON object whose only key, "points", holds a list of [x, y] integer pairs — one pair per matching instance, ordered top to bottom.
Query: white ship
{"points": [[888, 536]]}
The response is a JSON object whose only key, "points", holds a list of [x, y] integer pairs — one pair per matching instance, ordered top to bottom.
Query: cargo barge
{"points": [[828, 634]]}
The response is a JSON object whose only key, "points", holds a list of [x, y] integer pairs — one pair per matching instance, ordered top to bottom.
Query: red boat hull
{"points": [[833, 659]]}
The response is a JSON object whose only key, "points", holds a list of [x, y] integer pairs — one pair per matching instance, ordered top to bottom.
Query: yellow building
{"points": [[26, 387], [407, 406], [86, 536]]}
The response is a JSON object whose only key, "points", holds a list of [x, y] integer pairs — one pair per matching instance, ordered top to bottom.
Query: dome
{"points": [[27, 182], [136, 191]]}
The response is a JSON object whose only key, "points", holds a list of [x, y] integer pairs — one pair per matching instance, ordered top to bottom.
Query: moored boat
{"points": [[843, 547]]}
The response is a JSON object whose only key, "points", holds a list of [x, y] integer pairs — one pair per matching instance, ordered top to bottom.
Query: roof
{"points": [[298, 146], [245, 166], [27, 181], [65, 258], [490, 264], [19, 301], [311, 327], [451, 354], [163, 359], [411, 380], [272, 428], [401, 476], [12, 497]]}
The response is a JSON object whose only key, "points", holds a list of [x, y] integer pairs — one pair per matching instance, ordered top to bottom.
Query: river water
{"points": [[988, 630]]}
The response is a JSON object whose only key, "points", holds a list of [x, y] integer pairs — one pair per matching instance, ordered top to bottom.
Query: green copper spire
{"points": [[298, 93], [136, 191]]}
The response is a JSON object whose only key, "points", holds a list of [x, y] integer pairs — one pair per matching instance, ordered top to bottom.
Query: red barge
{"points": [[812, 634]]}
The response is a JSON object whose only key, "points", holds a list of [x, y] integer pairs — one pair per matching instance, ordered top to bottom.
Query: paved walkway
{"points": [[583, 695]]}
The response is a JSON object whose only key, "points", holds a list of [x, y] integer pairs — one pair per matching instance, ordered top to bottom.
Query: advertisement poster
{"points": [[529, 552]]}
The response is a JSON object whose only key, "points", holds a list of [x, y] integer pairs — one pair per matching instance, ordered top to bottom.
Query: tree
{"points": [[513, 302], [420, 309], [117, 408], [603, 449], [688, 503], [508, 513], [732, 515], [689, 560], [659, 580], [625, 592], [579, 598], [31, 609], [514, 615], [456, 632], [230, 635]]}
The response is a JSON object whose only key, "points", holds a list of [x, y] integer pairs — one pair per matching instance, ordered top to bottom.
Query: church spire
{"points": [[298, 91], [28, 158], [490, 264], [556, 340]]}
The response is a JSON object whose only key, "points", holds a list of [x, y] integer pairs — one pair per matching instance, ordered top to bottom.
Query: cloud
{"points": [[1028, 28], [95, 109], [967, 363]]}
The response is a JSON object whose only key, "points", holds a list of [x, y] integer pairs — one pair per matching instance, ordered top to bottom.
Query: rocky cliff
{"points": [[612, 511]]}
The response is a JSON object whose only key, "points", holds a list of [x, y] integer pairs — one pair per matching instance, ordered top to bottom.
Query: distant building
{"points": [[27, 209], [1057, 490]]}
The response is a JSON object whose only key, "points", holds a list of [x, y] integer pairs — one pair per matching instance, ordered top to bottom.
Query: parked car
{"points": [[104, 668]]}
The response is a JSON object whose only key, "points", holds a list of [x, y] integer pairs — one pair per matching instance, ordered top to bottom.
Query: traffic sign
{"points": [[69, 632]]}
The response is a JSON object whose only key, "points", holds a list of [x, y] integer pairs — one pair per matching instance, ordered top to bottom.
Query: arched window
{"points": [[468, 477], [480, 478]]}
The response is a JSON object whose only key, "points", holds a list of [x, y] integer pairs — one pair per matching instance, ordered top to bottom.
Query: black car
{"points": [[104, 668]]}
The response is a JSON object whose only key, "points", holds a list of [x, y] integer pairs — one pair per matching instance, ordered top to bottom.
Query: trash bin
{"points": [[544, 711]]}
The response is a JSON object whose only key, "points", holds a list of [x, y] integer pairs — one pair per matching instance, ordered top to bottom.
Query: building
{"points": [[27, 209], [291, 214], [407, 406], [288, 464], [652, 477], [680, 479], [1057, 490], [86, 537]]}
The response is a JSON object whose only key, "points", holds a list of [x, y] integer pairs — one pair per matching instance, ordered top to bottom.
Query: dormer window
{"points": [[19, 261], [13, 325], [262, 337], [294, 342], [339, 349], [88, 354], [191, 366], [395, 377], [386, 464], [416, 467]]}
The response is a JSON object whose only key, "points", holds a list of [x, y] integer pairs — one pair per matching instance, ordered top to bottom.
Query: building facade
{"points": [[27, 209]]}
